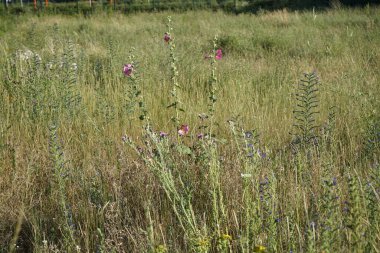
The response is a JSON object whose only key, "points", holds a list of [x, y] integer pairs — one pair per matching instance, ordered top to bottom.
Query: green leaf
{"points": [[183, 150]]}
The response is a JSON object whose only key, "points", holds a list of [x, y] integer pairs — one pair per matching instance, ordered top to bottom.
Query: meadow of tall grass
{"points": [[198, 132]]}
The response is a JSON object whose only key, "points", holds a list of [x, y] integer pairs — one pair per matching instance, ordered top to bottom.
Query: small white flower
{"points": [[26, 55], [74, 66], [246, 175]]}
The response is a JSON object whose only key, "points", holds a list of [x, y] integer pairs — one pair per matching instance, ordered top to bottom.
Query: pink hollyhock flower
{"points": [[167, 37], [218, 54], [128, 69], [183, 130]]}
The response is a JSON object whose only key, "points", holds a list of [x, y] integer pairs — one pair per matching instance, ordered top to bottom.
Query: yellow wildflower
{"points": [[226, 237], [203, 243], [259, 248], [161, 249]]}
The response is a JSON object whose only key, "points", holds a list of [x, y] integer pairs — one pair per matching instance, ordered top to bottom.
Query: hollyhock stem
{"points": [[212, 83], [176, 101]]}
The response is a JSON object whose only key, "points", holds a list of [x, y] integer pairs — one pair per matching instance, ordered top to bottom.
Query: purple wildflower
{"points": [[167, 37], [128, 69], [163, 134], [248, 134], [125, 139], [263, 155]]}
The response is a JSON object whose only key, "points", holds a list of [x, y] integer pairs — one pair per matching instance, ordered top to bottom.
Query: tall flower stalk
{"points": [[212, 88], [134, 93], [175, 96]]}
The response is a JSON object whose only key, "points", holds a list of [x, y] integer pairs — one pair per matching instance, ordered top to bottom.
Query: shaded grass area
{"points": [[130, 6], [80, 172]]}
